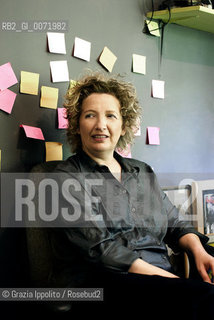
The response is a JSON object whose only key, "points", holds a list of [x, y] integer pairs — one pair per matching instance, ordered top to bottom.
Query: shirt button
{"points": [[124, 191], [133, 209]]}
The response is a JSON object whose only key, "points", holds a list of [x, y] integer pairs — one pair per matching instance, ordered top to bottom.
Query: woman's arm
{"points": [[191, 243], [142, 267]]}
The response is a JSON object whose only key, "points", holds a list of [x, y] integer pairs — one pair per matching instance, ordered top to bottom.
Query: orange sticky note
{"points": [[107, 59], [49, 97], [153, 135], [53, 151]]}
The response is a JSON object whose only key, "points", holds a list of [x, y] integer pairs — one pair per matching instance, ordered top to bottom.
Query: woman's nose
{"points": [[101, 123]]}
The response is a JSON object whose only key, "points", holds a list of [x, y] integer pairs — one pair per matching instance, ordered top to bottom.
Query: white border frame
{"points": [[197, 189]]}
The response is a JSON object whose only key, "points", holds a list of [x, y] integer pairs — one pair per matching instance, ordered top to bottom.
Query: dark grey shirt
{"points": [[118, 222]]}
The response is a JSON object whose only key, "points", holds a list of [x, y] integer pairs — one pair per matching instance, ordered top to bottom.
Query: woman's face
{"points": [[100, 123]]}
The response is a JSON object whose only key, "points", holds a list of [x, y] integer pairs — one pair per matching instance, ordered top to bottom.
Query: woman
{"points": [[119, 242]]}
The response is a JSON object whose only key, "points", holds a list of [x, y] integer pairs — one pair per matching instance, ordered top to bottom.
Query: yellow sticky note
{"points": [[153, 28], [107, 59], [139, 63], [29, 82], [72, 83], [49, 97], [53, 151]]}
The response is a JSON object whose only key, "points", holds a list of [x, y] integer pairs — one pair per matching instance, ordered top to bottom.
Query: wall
{"points": [[185, 116]]}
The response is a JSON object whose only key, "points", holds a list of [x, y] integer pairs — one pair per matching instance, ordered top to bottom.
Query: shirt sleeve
{"points": [[99, 246]]}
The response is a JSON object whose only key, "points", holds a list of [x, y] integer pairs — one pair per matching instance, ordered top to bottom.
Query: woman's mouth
{"points": [[99, 137]]}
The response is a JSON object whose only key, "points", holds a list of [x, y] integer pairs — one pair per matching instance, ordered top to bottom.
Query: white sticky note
{"points": [[153, 28], [56, 42], [82, 49], [139, 63], [59, 71], [158, 89], [137, 129], [137, 132]]}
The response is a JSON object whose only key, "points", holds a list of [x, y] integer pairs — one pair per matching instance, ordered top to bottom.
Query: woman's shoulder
{"points": [[71, 164], [143, 166]]}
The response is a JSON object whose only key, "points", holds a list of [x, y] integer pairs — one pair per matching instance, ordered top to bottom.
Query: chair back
{"points": [[38, 244]]}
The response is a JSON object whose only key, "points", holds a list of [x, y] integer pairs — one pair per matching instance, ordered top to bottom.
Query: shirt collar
{"points": [[87, 164]]}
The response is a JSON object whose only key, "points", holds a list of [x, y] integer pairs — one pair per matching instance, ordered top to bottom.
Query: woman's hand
{"points": [[204, 261]]}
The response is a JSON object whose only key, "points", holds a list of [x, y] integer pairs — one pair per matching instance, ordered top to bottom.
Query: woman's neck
{"points": [[102, 158], [108, 160]]}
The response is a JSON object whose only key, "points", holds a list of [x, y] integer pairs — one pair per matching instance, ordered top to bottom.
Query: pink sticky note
{"points": [[7, 76], [7, 99], [62, 121], [33, 132], [153, 135], [126, 153]]}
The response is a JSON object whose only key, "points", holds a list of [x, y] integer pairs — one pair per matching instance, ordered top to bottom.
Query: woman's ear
{"points": [[123, 132]]}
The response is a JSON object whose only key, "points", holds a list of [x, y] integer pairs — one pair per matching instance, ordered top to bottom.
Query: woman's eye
{"points": [[89, 115], [111, 116]]}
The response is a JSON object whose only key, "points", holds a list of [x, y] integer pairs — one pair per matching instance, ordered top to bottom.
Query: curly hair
{"points": [[98, 83]]}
